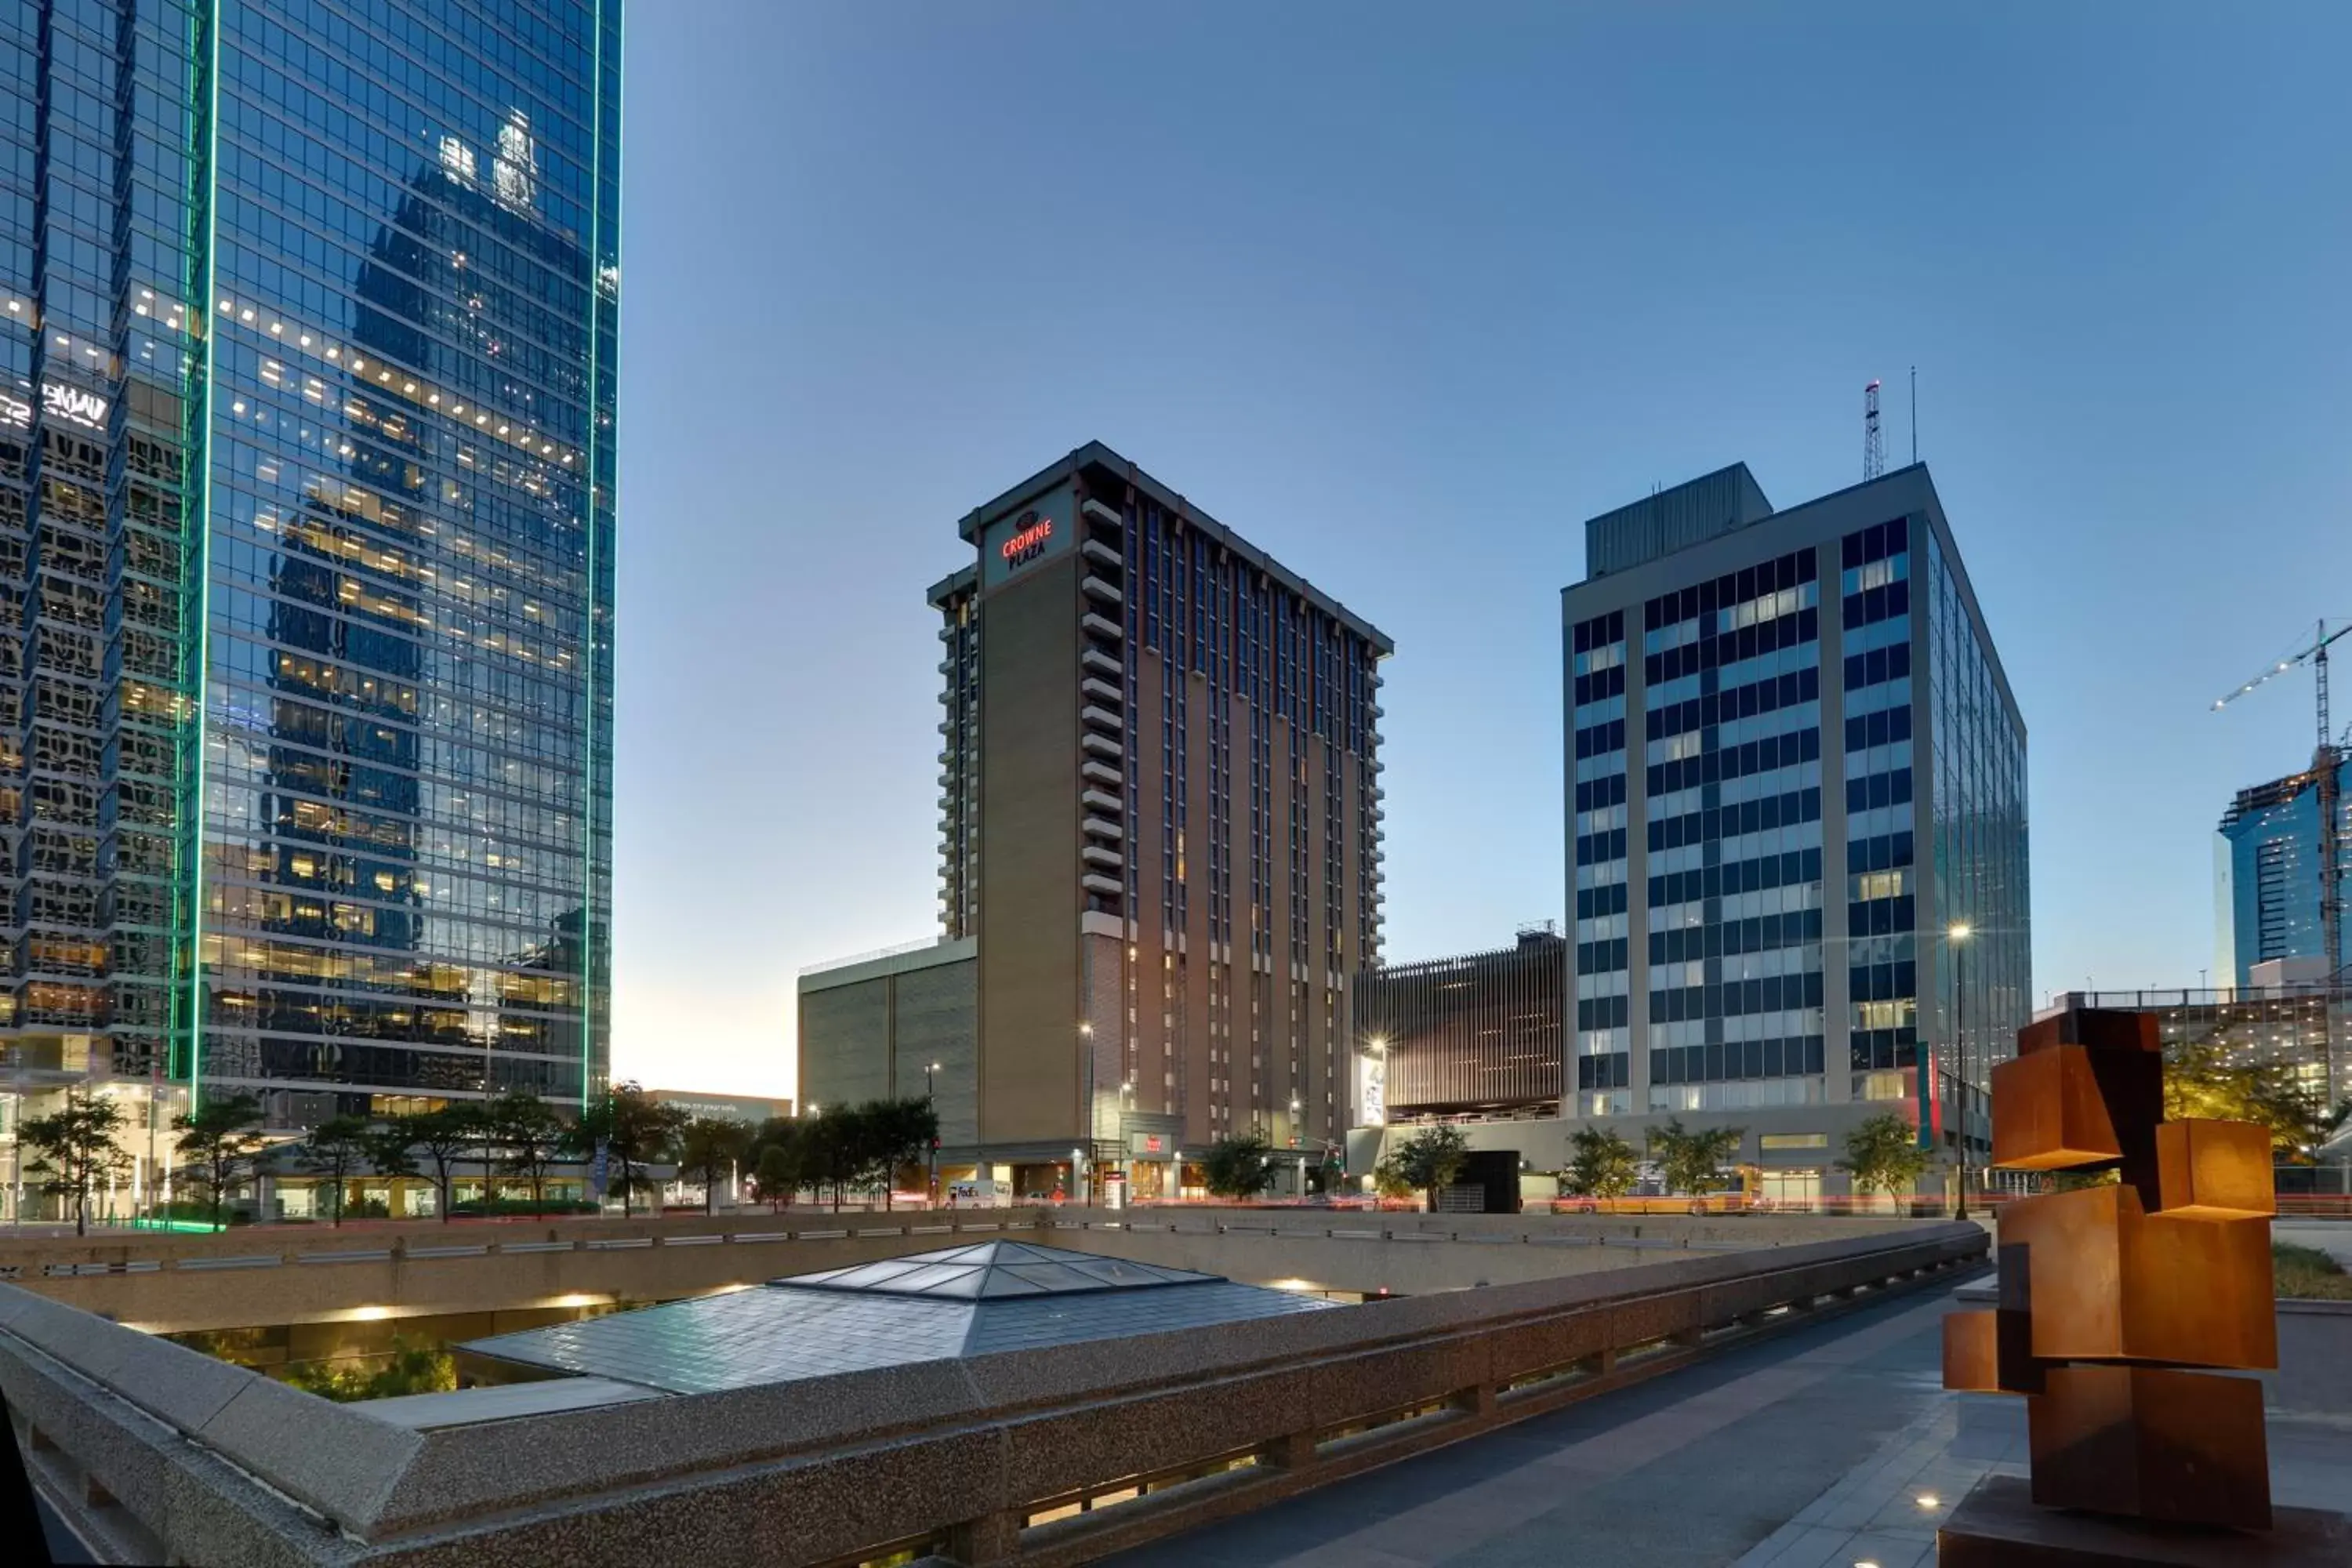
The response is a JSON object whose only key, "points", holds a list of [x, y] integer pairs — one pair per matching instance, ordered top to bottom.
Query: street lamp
{"points": [[1959, 936]]}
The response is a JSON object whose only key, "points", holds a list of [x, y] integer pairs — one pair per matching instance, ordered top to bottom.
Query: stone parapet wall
{"points": [[190, 1459]]}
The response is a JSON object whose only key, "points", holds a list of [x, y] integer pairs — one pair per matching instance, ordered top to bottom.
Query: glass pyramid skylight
{"points": [[993, 1270]]}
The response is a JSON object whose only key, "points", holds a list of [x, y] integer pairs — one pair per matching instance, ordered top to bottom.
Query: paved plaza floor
{"points": [[1825, 1447]]}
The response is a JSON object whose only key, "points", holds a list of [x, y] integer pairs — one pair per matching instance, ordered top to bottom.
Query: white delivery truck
{"points": [[982, 1193]]}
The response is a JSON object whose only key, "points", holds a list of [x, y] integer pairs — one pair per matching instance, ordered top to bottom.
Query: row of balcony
{"points": [[1103, 707]]}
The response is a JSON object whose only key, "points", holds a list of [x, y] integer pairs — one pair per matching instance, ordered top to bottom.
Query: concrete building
{"points": [[1796, 775], [1160, 830], [2266, 877], [1770, 894], [2289, 1013], [894, 1026], [1478, 1033], [751, 1108]]}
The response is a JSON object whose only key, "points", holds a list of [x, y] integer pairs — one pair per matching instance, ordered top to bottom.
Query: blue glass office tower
{"points": [[308, 314], [1794, 768], [2267, 879]]}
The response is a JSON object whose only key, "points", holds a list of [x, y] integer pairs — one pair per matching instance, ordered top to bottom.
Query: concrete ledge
{"points": [[939, 1452]]}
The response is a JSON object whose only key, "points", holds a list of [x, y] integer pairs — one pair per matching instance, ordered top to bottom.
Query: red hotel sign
{"points": [[1028, 536], [1028, 540]]}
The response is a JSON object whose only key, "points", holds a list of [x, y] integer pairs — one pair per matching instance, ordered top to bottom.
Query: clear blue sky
{"points": [[1404, 293]]}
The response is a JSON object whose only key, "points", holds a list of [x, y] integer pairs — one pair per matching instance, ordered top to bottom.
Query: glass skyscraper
{"points": [[309, 312], [1795, 771], [2266, 879]]}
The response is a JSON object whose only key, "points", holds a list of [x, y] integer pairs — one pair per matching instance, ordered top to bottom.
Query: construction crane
{"points": [[1874, 448], [2327, 760]]}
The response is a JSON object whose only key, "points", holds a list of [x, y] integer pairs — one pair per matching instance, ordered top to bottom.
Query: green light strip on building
{"points": [[188, 878], [588, 937]]}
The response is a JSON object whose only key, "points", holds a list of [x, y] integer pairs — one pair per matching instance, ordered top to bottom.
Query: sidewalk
{"points": [[1886, 1512]]}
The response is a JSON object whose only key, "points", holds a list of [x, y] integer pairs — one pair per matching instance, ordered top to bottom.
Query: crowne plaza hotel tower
{"points": [[1160, 828]]}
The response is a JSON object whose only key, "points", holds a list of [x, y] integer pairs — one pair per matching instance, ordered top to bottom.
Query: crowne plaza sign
{"points": [[1035, 531]]}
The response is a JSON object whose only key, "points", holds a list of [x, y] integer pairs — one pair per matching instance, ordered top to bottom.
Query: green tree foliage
{"points": [[2201, 1080], [636, 1131], [898, 1133], [443, 1136], [532, 1137], [830, 1140], [218, 1144], [708, 1148], [860, 1148], [336, 1149], [78, 1150], [392, 1152], [783, 1154], [1884, 1155], [1425, 1162], [1693, 1162], [1603, 1165], [1238, 1166], [777, 1176], [412, 1368]]}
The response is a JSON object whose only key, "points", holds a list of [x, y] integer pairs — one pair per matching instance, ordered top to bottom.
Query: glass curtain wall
{"points": [[308, 337], [404, 874]]}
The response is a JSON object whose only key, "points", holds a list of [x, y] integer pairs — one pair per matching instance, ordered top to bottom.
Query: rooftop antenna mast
{"points": [[1914, 414], [1874, 446]]}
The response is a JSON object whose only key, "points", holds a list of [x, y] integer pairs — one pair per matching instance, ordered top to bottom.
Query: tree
{"points": [[2201, 1080], [636, 1131], [896, 1132], [444, 1135], [532, 1135], [218, 1144], [841, 1145], [707, 1147], [335, 1149], [78, 1150], [389, 1150], [1885, 1152], [782, 1154], [1428, 1160], [1693, 1162], [1239, 1165], [1603, 1167], [777, 1177], [419, 1367]]}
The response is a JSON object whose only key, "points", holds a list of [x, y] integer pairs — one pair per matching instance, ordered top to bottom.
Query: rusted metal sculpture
{"points": [[2108, 1294]]}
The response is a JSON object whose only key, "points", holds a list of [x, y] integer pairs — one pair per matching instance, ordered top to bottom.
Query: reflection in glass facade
{"points": [[306, 503], [1984, 985]]}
